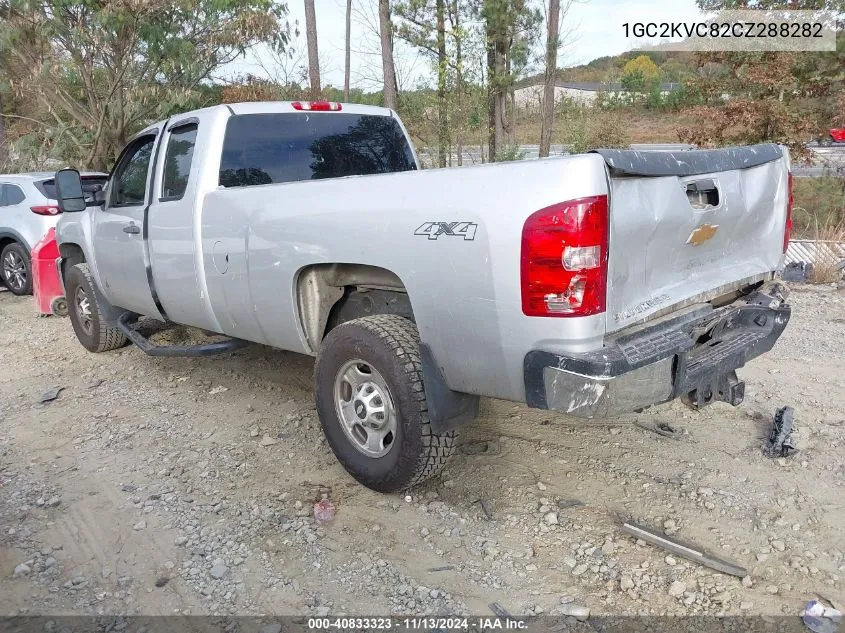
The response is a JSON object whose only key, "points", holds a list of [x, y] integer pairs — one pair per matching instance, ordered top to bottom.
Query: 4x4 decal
{"points": [[433, 230]]}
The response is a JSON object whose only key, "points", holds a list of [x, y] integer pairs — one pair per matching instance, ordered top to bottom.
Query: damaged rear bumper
{"points": [[692, 355]]}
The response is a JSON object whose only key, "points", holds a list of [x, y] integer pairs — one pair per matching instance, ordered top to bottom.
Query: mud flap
{"points": [[447, 409]]}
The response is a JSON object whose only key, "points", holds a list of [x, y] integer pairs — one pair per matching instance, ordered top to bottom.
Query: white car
{"points": [[28, 210]]}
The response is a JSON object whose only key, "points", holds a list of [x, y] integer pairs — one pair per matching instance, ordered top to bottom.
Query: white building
{"points": [[530, 97]]}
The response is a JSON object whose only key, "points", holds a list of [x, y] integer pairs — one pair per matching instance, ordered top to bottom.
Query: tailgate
{"points": [[689, 225]]}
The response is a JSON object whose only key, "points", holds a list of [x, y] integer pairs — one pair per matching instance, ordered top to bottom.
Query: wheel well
{"points": [[5, 241], [71, 254], [331, 294]]}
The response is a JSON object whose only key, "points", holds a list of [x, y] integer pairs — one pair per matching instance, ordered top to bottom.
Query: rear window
{"points": [[261, 149], [48, 187]]}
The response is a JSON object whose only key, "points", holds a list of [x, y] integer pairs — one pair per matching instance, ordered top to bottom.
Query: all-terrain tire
{"points": [[15, 256], [90, 329], [389, 344]]}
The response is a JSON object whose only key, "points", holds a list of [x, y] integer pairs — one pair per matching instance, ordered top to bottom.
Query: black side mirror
{"points": [[69, 193]]}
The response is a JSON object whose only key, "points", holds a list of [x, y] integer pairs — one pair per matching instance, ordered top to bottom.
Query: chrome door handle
{"points": [[132, 228]]}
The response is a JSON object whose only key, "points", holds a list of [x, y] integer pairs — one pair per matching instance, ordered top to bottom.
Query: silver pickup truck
{"points": [[592, 285]]}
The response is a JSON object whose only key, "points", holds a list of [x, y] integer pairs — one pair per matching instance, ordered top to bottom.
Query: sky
{"points": [[594, 26]]}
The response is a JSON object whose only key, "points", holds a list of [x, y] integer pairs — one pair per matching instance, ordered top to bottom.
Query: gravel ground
{"points": [[161, 486]]}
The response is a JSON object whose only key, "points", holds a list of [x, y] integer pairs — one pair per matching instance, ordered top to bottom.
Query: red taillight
{"points": [[317, 106], [47, 209], [787, 227], [564, 259]]}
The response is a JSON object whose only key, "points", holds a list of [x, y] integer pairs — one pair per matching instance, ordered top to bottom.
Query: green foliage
{"points": [[645, 71], [90, 73], [585, 129], [510, 152], [819, 205]]}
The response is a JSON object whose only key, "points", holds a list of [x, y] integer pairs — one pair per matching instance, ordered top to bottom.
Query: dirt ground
{"points": [[162, 486]]}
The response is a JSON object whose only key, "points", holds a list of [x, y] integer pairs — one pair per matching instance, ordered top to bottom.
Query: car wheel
{"points": [[17, 269], [85, 314], [371, 403]]}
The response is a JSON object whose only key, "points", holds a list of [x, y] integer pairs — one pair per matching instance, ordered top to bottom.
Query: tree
{"points": [[423, 24], [510, 30], [552, 44], [313, 53], [348, 57], [389, 70], [95, 72], [640, 75], [783, 97], [4, 150]]}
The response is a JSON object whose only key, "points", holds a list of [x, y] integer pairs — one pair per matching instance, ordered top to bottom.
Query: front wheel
{"points": [[17, 269], [85, 314], [371, 402]]}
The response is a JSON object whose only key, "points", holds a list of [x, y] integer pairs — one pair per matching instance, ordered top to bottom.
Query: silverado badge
{"points": [[702, 233]]}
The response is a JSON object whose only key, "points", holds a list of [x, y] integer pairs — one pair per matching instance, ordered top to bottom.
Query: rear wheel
{"points": [[17, 269], [85, 314], [371, 403]]}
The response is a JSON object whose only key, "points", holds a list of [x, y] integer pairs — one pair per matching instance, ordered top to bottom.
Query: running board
{"points": [[128, 319]]}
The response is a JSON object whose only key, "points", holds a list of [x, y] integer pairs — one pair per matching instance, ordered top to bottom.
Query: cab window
{"points": [[177, 162], [129, 185]]}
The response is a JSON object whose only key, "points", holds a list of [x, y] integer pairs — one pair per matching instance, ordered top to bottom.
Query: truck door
{"points": [[119, 241]]}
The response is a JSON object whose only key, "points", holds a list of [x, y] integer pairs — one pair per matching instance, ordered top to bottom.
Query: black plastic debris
{"points": [[797, 271], [50, 394], [661, 428], [780, 442], [569, 503], [485, 507], [499, 610]]}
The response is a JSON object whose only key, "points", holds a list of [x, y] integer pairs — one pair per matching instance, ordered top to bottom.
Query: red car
{"points": [[837, 135]]}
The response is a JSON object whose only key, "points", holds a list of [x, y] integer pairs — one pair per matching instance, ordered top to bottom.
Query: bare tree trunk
{"points": [[386, 34], [313, 53], [348, 61], [496, 73], [459, 80], [491, 101], [442, 108], [548, 115], [4, 150]]}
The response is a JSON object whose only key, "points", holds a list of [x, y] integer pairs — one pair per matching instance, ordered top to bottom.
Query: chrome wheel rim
{"points": [[14, 271], [83, 310], [365, 408]]}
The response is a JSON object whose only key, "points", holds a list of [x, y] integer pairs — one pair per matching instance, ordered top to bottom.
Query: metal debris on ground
{"points": [[50, 394], [661, 428], [780, 442], [569, 503], [485, 507], [324, 511], [685, 550], [444, 568], [161, 581], [499, 610], [821, 619]]}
